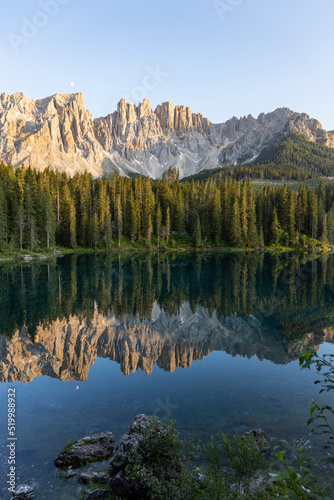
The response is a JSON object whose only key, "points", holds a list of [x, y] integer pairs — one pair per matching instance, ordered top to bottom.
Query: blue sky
{"points": [[222, 58]]}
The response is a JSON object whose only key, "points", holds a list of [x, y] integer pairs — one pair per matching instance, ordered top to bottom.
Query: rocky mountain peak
{"points": [[55, 132], [58, 132]]}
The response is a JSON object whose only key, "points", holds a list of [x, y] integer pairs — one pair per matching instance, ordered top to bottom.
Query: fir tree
{"points": [[3, 217], [119, 220], [158, 223], [167, 225], [275, 229], [236, 231], [198, 233], [324, 234]]}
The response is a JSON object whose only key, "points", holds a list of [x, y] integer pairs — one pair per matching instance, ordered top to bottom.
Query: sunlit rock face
{"points": [[56, 132], [59, 133], [67, 348]]}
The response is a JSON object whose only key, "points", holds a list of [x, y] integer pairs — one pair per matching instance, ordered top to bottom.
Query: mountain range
{"points": [[58, 132]]}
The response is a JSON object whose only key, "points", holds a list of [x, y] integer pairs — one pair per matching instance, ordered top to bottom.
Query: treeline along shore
{"points": [[40, 210]]}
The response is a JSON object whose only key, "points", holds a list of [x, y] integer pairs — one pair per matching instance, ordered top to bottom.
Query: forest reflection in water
{"points": [[57, 318]]}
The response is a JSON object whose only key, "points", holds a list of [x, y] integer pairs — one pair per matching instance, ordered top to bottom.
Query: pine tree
{"points": [[30, 189], [148, 205], [102, 207], [284, 208], [84, 209], [302, 209], [180, 214], [244, 214], [313, 214], [291, 216], [3, 217], [67, 218], [135, 218], [217, 218], [49, 220], [119, 220], [20, 223], [158, 223], [72, 225], [167, 225], [330, 226], [107, 227], [252, 227], [275, 229], [94, 230], [149, 230], [236, 231], [32, 233], [198, 233], [324, 234], [261, 238]]}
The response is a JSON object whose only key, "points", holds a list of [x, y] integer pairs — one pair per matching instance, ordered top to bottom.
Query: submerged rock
{"points": [[261, 443], [89, 449], [69, 474], [93, 477], [24, 492]]}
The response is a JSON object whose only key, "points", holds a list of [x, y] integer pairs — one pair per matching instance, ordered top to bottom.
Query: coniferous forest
{"points": [[48, 209]]}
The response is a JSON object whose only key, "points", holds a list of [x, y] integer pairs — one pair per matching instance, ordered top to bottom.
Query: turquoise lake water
{"points": [[89, 342]]}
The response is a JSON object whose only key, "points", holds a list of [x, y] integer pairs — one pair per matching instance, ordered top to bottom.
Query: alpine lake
{"points": [[88, 342]]}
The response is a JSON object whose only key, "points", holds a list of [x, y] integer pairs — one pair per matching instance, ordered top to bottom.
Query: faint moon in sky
{"points": [[72, 84]]}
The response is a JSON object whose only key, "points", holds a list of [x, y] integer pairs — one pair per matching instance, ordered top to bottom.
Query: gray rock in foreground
{"points": [[261, 443], [133, 444], [89, 449], [93, 477], [24, 492]]}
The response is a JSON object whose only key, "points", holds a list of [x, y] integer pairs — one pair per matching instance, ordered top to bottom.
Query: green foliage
{"points": [[321, 415], [68, 447], [166, 453], [237, 455], [244, 458], [230, 466], [161, 475], [293, 484]]}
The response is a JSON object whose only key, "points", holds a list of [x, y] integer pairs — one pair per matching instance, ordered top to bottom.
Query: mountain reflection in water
{"points": [[57, 318]]}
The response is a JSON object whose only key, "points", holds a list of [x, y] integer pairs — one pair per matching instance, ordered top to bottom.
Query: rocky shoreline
{"points": [[115, 481]]}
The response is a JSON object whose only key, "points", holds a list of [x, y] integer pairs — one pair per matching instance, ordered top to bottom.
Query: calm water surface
{"points": [[89, 342]]}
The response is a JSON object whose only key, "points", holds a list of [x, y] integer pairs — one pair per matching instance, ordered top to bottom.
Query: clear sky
{"points": [[222, 58]]}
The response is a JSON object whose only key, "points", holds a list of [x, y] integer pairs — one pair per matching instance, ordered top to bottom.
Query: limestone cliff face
{"points": [[312, 130], [55, 132], [58, 132], [247, 137], [138, 139], [67, 348]]}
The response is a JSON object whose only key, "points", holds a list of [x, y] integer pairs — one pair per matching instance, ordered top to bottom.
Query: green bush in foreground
{"points": [[320, 414], [232, 469], [228, 470]]}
